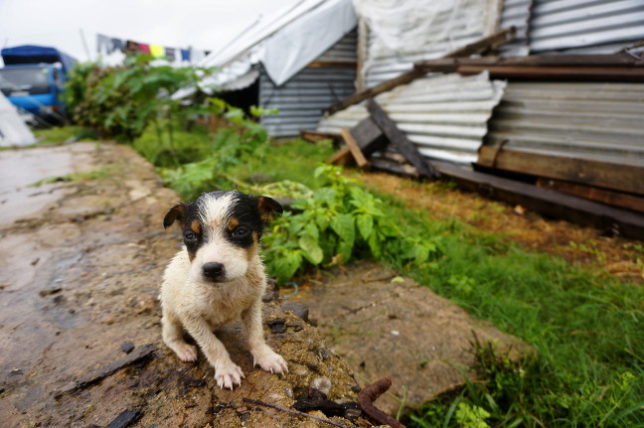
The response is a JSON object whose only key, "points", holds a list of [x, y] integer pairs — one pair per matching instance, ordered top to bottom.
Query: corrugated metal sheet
{"points": [[516, 13], [466, 23], [572, 24], [345, 49], [302, 100], [445, 116], [597, 121]]}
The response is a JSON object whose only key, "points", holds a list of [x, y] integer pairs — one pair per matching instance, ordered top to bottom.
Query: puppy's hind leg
{"points": [[172, 333], [263, 355]]}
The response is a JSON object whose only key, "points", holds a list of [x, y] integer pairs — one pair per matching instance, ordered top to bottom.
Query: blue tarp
{"points": [[32, 54]]}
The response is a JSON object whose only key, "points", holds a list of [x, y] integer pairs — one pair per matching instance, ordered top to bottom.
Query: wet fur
{"points": [[197, 304]]}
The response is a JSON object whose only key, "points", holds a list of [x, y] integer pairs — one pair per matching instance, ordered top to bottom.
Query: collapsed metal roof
{"points": [[445, 116]]}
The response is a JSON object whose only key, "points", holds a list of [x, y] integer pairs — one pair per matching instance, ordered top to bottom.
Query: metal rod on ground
{"points": [[293, 411]]}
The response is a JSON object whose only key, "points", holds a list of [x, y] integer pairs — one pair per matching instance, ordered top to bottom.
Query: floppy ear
{"points": [[267, 206], [175, 213]]}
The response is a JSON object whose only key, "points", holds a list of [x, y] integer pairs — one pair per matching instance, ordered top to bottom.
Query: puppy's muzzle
{"points": [[214, 271]]}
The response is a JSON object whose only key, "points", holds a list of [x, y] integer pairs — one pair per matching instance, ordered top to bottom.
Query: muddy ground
{"points": [[586, 246], [83, 249], [82, 257]]}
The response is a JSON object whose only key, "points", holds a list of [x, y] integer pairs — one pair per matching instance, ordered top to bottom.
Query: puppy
{"points": [[218, 277]]}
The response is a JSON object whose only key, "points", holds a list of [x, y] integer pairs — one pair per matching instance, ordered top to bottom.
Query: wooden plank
{"points": [[493, 41], [361, 53], [612, 60], [336, 63], [315, 136], [369, 138], [399, 139], [354, 148], [341, 157], [388, 165], [625, 178], [609, 197], [547, 202]]}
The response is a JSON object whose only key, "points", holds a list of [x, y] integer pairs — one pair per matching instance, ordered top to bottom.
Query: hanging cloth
{"points": [[157, 51]]}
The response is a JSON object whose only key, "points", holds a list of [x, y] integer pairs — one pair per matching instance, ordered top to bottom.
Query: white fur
{"points": [[189, 302]]}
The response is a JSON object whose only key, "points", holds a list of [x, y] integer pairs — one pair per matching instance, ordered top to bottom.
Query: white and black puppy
{"points": [[217, 277]]}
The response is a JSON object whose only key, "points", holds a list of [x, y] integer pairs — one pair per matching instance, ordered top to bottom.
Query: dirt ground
{"points": [[615, 256], [82, 257]]}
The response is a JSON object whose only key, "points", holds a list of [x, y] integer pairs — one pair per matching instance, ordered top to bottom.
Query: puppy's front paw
{"points": [[186, 353], [271, 362], [228, 375]]}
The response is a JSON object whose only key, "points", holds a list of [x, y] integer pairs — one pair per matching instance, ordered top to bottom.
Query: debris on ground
{"points": [[94, 357]]}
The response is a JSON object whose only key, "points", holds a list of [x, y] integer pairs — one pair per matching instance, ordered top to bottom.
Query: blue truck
{"points": [[32, 80]]}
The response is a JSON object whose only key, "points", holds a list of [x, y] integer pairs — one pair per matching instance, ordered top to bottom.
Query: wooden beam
{"points": [[493, 41], [612, 60], [336, 63], [618, 67], [315, 136], [369, 139], [399, 139], [354, 148], [388, 165], [625, 178], [609, 197], [547, 202]]}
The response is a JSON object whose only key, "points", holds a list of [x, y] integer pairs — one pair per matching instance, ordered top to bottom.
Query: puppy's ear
{"points": [[267, 207], [175, 213]]}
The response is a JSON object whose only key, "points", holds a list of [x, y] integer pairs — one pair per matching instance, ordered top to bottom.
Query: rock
{"points": [[49, 291], [298, 309], [277, 326], [127, 347], [422, 347], [125, 419]]}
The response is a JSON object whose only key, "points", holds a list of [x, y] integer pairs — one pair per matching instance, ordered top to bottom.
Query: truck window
{"points": [[30, 80]]}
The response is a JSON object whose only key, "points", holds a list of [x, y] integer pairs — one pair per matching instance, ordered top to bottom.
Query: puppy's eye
{"points": [[241, 232], [190, 236]]}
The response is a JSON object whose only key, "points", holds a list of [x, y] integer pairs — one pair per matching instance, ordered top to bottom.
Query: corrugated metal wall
{"points": [[516, 13], [566, 24], [573, 26], [454, 30], [302, 100], [445, 116], [597, 121]]}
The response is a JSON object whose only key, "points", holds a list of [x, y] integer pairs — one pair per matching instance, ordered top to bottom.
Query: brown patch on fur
{"points": [[267, 207], [175, 213], [232, 223], [196, 227], [252, 250], [191, 256]]}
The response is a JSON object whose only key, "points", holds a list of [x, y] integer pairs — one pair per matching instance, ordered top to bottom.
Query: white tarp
{"points": [[401, 33], [305, 39], [284, 43], [13, 131]]}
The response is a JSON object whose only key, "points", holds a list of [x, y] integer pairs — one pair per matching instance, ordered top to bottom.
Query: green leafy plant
{"points": [[120, 102], [339, 221]]}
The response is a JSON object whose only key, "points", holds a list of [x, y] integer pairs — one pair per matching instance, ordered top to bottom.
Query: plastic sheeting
{"points": [[401, 33], [305, 39], [284, 43], [13, 131]]}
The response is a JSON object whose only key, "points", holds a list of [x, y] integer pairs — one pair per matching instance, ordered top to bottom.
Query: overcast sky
{"points": [[203, 24]]}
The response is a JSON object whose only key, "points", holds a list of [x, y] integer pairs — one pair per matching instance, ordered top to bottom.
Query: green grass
{"points": [[61, 134], [587, 330]]}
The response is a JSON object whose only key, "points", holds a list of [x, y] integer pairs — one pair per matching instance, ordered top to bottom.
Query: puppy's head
{"points": [[221, 231]]}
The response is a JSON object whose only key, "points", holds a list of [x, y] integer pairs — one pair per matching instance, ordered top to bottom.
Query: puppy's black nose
{"points": [[213, 270]]}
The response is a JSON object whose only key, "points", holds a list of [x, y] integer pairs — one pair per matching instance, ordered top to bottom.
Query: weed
{"points": [[74, 177]]}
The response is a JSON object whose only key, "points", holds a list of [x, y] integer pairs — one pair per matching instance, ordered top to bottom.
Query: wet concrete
{"points": [[80, 268], [388, 326]]}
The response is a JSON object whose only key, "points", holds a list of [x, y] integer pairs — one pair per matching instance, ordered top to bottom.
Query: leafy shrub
{"points": [[120, 102], [338, 222]]}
